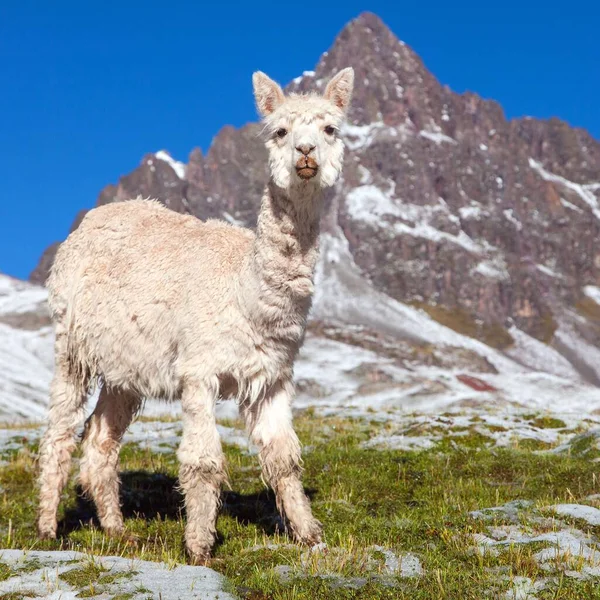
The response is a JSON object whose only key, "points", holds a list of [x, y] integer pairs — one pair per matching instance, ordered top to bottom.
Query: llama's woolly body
{"points": [[160, 298]]}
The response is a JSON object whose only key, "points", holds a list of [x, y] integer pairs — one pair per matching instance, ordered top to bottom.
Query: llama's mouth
{"points": [[307, 167], [306, 172]]}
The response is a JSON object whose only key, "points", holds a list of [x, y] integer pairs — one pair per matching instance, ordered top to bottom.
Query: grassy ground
{"points": [[385, 513]]}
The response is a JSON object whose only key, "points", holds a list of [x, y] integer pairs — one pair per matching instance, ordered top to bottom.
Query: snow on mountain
{"points": [[176, 165], [26, 350]]}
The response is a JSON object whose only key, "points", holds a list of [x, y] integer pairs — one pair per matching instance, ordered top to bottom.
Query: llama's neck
{"points": [[283, 260]]}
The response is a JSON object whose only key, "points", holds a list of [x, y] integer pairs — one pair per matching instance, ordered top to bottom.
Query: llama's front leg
{"points": [[269, 422], [101, 444], [202, 469]]}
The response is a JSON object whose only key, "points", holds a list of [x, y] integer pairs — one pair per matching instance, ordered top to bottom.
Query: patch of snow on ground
{"points": [[176, 165], [159, 436], [14, 439], [590, 440], [400, 442], [509, 511], [589, 514], [564, 543], [410, 566], [159, 580], [524, 588]]}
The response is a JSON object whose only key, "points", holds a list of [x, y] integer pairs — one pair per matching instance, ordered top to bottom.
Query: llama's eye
{"points": [[330, 130], [281, 132]]}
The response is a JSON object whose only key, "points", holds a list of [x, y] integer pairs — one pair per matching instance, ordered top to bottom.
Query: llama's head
{"points": [[303, 130]]}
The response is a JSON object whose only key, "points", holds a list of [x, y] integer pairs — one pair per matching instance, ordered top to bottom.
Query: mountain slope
{"points": [[26, 359]]}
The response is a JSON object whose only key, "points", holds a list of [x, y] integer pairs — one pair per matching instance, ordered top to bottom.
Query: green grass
{"points": [[416, 502]]}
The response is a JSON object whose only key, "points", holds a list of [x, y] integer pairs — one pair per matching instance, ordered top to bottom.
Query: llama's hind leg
{"points": [[67, 398], [269, 422], [101, 444], [202, 469]]}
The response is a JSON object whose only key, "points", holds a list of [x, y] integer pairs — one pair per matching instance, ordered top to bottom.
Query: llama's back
{"points": [[125, 287]]}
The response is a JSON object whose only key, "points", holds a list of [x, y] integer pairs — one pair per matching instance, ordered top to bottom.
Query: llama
{"points": [[152, 303]]}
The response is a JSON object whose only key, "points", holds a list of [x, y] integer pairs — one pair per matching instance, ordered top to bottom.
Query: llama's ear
{"points": [[339, 89], [268, 93]]}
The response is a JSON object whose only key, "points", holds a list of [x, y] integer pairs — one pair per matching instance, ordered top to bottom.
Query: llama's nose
{"points": [[306, 149]]}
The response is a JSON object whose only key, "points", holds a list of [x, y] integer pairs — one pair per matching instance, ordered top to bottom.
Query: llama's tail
{"points": [[65, 296]]}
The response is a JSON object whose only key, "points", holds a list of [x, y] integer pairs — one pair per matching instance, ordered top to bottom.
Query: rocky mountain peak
{"points": [[487, 225]]}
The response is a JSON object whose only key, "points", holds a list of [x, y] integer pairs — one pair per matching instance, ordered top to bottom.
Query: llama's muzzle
{"points": [[306, 167]]}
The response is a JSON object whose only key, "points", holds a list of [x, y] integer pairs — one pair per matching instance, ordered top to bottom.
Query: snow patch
{"points": [[297, 80], [362, 136], [437, 137], [176, 165], [584, 191], [367, 203], [570, 205], [470, 212], [509, 215], [231, 219], [493, 269], [548, 271], [592, 292], [19, 297], [26, 355], [539, 356], [159, 436], [400, 442], [589, 514], [159, 580], [524, 588]]}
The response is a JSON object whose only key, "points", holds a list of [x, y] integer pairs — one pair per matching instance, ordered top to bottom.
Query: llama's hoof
{"points": [[114, 532], [46, 533], [310, 533], [199, 549], [200, 558]]}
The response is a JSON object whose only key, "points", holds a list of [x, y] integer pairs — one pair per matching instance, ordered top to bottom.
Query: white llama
{"points": [[157, 304]]}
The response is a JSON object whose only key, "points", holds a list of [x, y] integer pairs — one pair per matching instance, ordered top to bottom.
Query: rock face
{"points": [[491, 226]]}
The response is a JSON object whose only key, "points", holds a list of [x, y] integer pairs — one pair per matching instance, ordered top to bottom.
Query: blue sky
{"points": [[87, 88]]}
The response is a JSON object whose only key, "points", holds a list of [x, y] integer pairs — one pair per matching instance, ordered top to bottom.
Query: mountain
{"points": [[456, 239]]}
